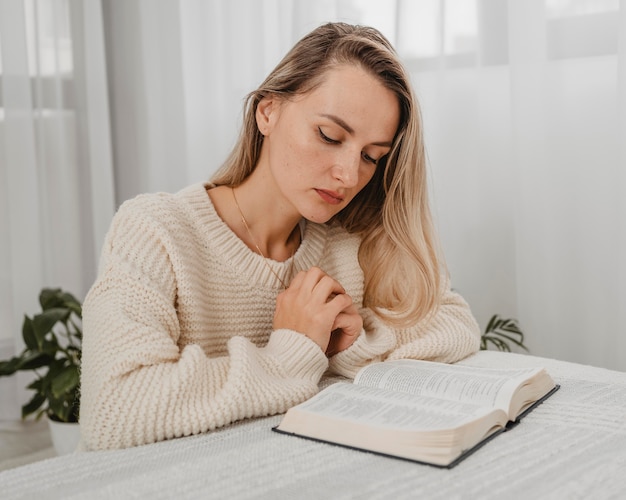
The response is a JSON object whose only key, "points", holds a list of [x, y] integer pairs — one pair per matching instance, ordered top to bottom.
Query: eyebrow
{"points": [[350, 130]]}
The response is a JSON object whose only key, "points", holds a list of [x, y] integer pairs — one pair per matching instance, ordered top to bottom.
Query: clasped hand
{"points": [[317, 306]]}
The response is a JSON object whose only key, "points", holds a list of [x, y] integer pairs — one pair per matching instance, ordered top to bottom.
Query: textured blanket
{"points": [[571, 446]]}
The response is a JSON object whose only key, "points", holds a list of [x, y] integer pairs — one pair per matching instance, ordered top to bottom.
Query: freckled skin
{"points": [[307, 147]]}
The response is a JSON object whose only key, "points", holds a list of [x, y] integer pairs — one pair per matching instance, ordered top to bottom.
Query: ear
{"points": [[267, 113]]}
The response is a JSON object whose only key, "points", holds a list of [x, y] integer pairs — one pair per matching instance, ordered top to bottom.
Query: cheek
{"points": [[293, 144], [307, 158], [366, 175]]}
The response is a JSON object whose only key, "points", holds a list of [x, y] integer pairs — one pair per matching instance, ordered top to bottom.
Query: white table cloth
{"points": [[571, 446]]}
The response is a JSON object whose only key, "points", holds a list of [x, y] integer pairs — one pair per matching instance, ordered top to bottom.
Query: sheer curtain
{"points": [[524, 105], [570, 171], [56, 189]]}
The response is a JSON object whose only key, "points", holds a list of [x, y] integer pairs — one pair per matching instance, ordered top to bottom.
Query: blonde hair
{"points": [[399, 250]]}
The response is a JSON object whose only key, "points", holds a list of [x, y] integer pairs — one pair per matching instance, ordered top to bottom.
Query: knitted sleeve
{"points": [[450, 335], [139, 386]]}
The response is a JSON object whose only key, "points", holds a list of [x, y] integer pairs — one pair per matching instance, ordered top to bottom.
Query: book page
{"points": [[490, 387], [397, 410], [420, 428]]}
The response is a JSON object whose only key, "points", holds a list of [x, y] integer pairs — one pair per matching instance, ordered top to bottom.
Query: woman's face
{"points": [[322, 147]]}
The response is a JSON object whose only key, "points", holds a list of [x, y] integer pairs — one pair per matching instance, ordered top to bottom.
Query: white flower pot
{"points": [[65, 436]]}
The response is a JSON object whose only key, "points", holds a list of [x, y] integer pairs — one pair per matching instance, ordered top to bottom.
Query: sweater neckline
{"points": [[246, 263]]}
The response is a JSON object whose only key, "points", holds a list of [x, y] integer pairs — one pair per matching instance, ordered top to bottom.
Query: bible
{"points": [[422, 411]]}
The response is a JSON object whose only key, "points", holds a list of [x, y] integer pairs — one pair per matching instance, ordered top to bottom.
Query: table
{"points": [[572, 446]]}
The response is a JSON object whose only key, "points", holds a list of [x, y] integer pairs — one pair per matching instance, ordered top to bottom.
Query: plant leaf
{"points": [[50, 297], [71, 303], [493, 319], [45, 321], [511, 326], [500, 331], [28, 334], [511, 339], [500, 344], [51, 347], [34, 361], [57, 366], [9, 367], [66, 382], [35, 385], [33, 405], [57, 408]]}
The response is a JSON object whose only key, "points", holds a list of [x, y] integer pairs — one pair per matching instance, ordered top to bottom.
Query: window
{"points": [[581, 28], [452, 33], [433, 34], [41, 50]]}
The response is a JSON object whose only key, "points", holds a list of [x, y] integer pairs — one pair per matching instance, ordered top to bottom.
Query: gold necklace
{"points": [[258, 249]]}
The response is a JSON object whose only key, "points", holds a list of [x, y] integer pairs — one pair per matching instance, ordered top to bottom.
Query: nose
{"points": [[346, 168]]}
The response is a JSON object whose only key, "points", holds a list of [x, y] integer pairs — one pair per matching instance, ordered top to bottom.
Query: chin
{"points": [[321, 214], [318, 218]]}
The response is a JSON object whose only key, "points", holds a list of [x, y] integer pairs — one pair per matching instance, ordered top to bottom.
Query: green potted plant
{"points": [[500, 333], [52, 353]]}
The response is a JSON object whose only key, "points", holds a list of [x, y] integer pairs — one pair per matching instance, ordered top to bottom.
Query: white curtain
{"points": [[525, 116], [524, 121], [56, 184]]}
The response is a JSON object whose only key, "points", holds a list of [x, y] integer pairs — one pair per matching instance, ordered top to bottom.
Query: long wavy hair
{"points": [[399, 252]]}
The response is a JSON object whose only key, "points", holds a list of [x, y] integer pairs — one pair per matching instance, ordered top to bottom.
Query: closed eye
{"points": [[325, 138], [369, 159]]}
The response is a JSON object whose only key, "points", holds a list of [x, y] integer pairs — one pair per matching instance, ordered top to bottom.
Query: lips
{"points": [[331, 197]]}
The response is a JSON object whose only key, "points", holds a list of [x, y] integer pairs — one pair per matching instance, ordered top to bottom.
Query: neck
{"points": [[264, 224]]}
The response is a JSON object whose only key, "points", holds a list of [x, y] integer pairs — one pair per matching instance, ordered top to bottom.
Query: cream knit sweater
{"points": [[178, 335]]}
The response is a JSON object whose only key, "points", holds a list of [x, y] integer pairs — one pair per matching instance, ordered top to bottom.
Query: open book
{"points": [[424, 411]]}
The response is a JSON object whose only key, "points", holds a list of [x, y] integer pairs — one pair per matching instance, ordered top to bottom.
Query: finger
{"points": [[312, 277], [298, 279], [303, 281], [318, 283], [326, 289], [338, 304], [349, 324], [342, 338], [332, 348]]}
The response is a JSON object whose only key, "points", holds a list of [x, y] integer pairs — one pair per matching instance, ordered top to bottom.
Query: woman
{"points": [[311, 249]]}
